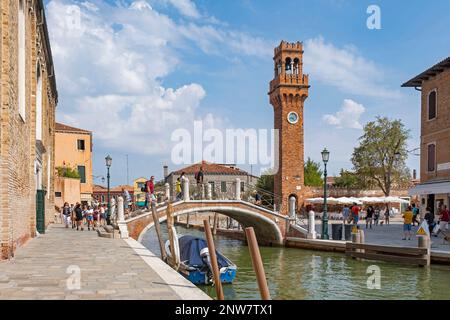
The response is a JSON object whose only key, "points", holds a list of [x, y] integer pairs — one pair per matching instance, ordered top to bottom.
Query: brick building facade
{"points": [[434, 85], [288, 92], [28, 99]]}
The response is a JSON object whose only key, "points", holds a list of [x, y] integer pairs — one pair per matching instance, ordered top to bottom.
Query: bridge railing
{"points": [[266, 198]]}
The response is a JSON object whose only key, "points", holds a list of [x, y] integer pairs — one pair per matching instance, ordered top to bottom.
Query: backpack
{"points": [[145, 188]]}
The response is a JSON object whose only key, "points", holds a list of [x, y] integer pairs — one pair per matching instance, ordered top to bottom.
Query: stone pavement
{"points": [[392, 235], [109, 269]]}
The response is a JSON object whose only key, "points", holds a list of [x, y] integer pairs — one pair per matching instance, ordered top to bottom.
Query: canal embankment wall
{"points": [[436, 256]]}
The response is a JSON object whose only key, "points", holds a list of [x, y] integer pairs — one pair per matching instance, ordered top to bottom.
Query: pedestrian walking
{"points": [[199, 176], [182, 181], [178, 189], [149, 190], [258, 198], [126, 200], [65, 212], [415, 212], [346, 213], [355, 213], [102, 215], [79, 216], [386, 216], [73, 217], [369, 217], [376, 217], [90, 218], [429, 218], [443, 220], [407, 221]]}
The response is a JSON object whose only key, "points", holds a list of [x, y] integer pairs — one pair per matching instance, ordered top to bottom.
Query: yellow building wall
{"points": [[66, 151], [69, 189], [139, 196]]}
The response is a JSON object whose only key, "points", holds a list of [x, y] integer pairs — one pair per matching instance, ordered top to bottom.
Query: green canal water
{"points": [[303, 274]]}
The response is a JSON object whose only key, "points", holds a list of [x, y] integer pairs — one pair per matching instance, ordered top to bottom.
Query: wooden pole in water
{"points": [[215, 224], [158, 232], [173, 259], [214, 264], [258, 266]]}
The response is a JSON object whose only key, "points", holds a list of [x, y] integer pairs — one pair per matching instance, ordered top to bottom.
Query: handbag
{"points": [[436, 228]]}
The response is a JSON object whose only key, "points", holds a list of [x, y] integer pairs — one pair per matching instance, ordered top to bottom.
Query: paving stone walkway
{"points": [[108, 268]]}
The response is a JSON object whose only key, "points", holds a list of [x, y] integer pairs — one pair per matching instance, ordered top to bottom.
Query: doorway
{"points": [[430, 203]]}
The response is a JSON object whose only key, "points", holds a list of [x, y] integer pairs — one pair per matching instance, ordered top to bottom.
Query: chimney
{"points": [[166, 172], [414, 174]]}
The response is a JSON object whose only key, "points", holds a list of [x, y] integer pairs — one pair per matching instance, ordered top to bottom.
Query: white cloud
{"points": [[186, 8], [111, 63], [345, 69], [348, 117]]}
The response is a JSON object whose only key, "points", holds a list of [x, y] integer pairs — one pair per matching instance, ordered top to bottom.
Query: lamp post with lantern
{"points": [[325, 158], [108, 161]]}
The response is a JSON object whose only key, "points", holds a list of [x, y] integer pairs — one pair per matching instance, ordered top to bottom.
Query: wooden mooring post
{"points": [[215, 224], [158, 232], [213, 256], [175, 259], [258, 266]]}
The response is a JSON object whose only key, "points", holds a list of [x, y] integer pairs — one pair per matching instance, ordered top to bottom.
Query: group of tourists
{"points": [[180, 184], [353, 214], [80, 216], [436, 224]]}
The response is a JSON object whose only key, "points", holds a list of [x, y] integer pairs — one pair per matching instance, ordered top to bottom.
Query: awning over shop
{"points": [[430, 188]]}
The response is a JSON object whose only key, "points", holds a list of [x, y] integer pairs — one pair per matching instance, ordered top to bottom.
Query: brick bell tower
{"points": [[288, 92]]}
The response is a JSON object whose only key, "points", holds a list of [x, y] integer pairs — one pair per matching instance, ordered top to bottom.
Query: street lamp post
{"points": [[325, 158], [108, 161]]}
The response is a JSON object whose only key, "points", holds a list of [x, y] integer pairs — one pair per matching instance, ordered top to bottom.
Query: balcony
{"points": [[289, 80]]}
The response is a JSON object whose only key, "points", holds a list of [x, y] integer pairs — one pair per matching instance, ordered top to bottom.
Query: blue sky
{"points": [[134, 71]]}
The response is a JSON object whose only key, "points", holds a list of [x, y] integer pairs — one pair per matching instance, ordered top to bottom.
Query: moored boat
{"points": [[195, 261]]}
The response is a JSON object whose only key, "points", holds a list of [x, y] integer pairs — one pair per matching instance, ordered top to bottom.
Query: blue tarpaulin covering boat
{"points": [[196, 263]]}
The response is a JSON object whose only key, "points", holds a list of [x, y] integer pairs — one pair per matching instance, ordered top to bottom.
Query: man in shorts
{"points": [[355, 213], [407, 222]]}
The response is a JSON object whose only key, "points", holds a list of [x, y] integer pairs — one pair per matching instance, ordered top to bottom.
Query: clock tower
{"points": [[288, 92]]}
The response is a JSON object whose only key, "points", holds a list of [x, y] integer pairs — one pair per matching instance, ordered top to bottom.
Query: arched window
{"points": [[289, 65], [296, 66], [279, 67], [432, 104]]}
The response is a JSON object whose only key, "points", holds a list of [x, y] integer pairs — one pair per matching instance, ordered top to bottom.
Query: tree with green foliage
{"points": [[382, 152], [67, 172], [313, 174], [347, 179], [265, 181], [265, 187]]}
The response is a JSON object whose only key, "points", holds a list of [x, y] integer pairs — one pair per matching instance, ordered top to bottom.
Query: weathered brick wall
{"points": [[287, 94], [437, 130], [18, 144]]}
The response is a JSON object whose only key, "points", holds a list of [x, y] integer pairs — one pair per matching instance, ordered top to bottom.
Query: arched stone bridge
{"points": [[270, 227]]}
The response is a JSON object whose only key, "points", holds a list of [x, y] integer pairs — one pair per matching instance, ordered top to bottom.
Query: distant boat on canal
{"points": [[195, 261]]}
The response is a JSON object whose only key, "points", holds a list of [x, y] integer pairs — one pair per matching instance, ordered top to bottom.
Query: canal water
{"points": [[303, 274]]}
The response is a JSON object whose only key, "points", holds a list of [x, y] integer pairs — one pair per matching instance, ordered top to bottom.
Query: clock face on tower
{"points": [[293, 117]]}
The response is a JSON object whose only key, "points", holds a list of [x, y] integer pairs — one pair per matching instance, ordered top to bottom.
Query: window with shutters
{"points": [[432, 104], [431, 157], [82, 173], [223, 186]]}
